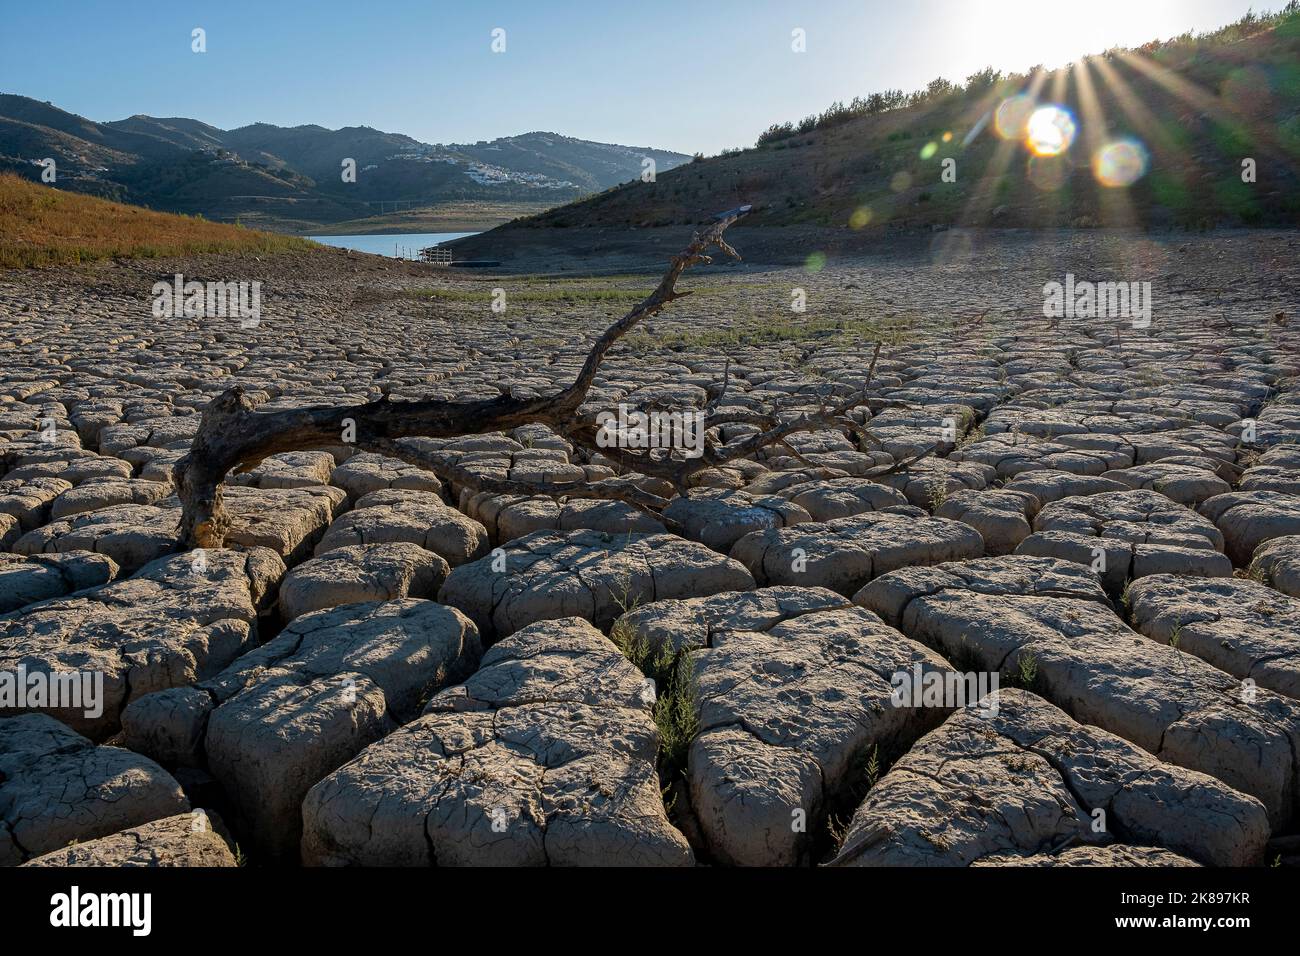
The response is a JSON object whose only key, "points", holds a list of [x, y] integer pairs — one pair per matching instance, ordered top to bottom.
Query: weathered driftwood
{"points": [[232, 435]]}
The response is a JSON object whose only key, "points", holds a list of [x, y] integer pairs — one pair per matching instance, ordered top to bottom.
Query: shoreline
{"points": [[596, 250]]}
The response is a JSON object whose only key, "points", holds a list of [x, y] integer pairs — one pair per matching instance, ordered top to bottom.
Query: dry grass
{"points": [[43, 226]]}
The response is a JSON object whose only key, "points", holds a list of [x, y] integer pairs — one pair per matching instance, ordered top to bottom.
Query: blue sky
{"points": [[694, 75]]}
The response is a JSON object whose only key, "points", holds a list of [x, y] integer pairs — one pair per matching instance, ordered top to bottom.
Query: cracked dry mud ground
{"points": [[383, 668]]}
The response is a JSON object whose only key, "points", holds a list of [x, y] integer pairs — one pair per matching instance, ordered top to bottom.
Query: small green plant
{"points": [[972, 436], [938, 494], [1254, 573], [624, 598], [1265, 608], [650, 658], [1026, 673], [673, 674], [677, 716], [873, 766], [867, 769], [838, 831]]}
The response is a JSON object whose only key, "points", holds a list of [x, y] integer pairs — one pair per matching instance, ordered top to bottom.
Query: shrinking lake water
{"points": [[403, 245]]}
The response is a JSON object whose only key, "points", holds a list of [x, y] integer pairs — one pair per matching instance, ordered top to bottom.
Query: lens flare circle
{"points": [[1012, 115], [1050, 131], [1120, 164], [1047, 173], [861, 217]]}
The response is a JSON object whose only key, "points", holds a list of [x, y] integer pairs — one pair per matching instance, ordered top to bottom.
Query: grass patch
{"points": [[43, 226], [1027, 669]]}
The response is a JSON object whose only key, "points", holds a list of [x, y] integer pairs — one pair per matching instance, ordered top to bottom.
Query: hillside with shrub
{"points": [[1195, 108]]}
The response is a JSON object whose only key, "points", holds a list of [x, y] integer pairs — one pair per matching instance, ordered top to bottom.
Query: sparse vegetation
{"points": [[979, 83], [972, 436], [938, 494], [1255, 572], [1025, 675], [675, 711], [677, 715], [873, 766], [838, 830]]}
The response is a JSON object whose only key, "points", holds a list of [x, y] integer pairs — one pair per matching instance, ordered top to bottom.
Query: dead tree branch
{"points": [[234, 436]]}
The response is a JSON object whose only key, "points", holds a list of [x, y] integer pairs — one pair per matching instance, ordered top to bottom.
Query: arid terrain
{"points": [[1098, 516]]}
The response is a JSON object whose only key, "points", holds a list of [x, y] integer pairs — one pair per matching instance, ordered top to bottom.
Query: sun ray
{"points": [[1202, 100], [1131, 105], [984, 106], [1163, 138], [1050, 172], [984, 196], [1116, 208]]}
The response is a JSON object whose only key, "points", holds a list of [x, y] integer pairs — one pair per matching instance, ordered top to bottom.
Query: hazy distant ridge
{"points": [[279, 173]]}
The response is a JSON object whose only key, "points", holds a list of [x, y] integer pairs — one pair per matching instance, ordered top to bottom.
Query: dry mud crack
{"points": [[387, 667]]}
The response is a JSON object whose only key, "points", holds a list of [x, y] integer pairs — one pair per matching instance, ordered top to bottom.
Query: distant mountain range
{"points": [[292, 178]]}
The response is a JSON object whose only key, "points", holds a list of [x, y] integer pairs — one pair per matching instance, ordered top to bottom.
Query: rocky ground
{"points": [[384, 668]]}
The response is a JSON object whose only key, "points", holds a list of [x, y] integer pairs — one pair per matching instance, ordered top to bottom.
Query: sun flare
{"points": [[1050, 131]]}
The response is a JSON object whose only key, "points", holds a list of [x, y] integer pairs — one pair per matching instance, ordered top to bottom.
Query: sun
{"points": [[1018, 34], [1050, 131]]}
